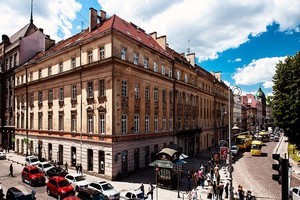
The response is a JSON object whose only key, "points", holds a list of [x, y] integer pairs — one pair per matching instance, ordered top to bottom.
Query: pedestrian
{"points": [[8, 149], [54, 163], [66, 166], [77, 168], [80, 168], [11, 170], [189, 177], [221, 186], [142, 189], [214, 189], [150, 190], [226, 190], [209, 191], [241, 193], [194, 194]]}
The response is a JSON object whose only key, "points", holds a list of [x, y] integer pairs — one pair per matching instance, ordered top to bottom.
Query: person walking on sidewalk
{"points": [[66, 166], [80, 168], [11, 170], [142, 189], [226, 190], [150, 191], [209, 191], [194, 193]]}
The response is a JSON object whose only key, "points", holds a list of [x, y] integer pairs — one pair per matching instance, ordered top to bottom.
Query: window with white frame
{"points": [[101, 53], [123, 53], [90, 56], [135, 58], [15, 59], [146, 61], [73, 63], [61, 67], [155, 67], [163, 69], [49, 70], [170, 72], [40, 74], [178, 75], [185, 78], [101, 88], [124, 88], [90, 90], [136, 91], [74, 92], [147, 93], [61, 94], [155, 94], [50, 96], [40, 97], [31, 98], [179, 98], [187, 99], [22, 121], [31, 121], [40, 121], [50, 121], [61, 121], [73, 122], [179, 122], [101, 123], [124, 123], [136, 123], [147, 123], [155, 123], [164, 124], [90, 128]]}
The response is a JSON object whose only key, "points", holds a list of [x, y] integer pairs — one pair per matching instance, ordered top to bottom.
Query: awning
{"points": [[183, 156], [162, 164]]}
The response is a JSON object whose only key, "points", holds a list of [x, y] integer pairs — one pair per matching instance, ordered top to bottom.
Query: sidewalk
{"points": [[148, 175]]}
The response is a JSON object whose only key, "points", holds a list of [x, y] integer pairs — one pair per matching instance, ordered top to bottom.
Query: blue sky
{"points": [[242, 39]]}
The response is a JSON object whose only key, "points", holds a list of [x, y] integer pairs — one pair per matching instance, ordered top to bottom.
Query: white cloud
{"points": [[55, 16], [208, 24], [238, 60], [257, 71], [268, 84]]}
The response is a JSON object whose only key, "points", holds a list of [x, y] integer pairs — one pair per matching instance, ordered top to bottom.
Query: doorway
{"points": [[60, 154], [73, 156], [90, 159], [101, 159]]}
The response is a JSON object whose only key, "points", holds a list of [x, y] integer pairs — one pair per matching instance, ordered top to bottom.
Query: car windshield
{"points": [[34, 160], [47, 165], [35, 171], [80, 178], [63, 183], [107, 186]]}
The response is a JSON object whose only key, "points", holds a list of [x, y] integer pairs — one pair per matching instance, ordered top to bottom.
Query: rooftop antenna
{"points": [[31, 20], [188, 49]]}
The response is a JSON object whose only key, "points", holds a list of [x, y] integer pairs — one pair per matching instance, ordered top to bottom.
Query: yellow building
{"points": [[111, 96]]}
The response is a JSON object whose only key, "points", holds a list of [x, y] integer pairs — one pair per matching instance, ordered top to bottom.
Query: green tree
{"points": [[286, 102]]}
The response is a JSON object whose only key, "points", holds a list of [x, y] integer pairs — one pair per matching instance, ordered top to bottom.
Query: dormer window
{"points": [[101, 53], [123, 53], [90, 56], [73, 63]]}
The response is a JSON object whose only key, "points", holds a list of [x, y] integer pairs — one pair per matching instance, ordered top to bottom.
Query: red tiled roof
{"points": [[113, 22]]}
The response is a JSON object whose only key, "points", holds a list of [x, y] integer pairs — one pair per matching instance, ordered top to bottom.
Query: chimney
{"points": [[102, 15], [93, 19], [42, 30]]}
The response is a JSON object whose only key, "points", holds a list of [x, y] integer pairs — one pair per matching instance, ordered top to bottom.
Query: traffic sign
{"points": [[223, 143], [223, 153], [230, 168]]}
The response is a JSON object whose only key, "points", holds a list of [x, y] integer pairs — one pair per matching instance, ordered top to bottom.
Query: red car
{"points": [[33, 175], [59, 186]]}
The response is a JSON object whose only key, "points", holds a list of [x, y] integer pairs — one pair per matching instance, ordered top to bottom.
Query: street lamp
{"points": [[238, 92]]}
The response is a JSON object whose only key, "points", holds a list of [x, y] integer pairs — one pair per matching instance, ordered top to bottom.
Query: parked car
{"points": [[276, 138], [234, 150], [2, 155], [32, 160], [44, 166], [56, 171], [33, 175], [77, 180], [59, 187], [106, 189], [14, 193], [295, 193], [90, 194], [133, 194], [72, 198]]}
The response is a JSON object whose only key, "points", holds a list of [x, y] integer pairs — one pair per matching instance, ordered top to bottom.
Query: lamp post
{"points": [[238, 89]]}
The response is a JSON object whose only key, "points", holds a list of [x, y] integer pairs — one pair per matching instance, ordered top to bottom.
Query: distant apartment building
{"points": [[111, 96]]}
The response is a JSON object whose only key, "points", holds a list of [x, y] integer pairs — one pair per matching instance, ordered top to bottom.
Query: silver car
{"points": [[106, 189], [295, 193]]}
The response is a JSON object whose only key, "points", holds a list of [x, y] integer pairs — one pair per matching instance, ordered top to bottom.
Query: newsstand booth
{"points": [[168, 167]]}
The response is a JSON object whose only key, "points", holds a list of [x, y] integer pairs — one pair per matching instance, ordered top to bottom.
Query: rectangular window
{"points": [[101, 53], [123, 54], [90, 56], [135, 58], [15, 59], [10, 62], [146, 62], [73, 63], [7, 64], [61, 67], [155, 67], [49, 70], [163, 72], [170, 72], [40, 74], [178, 75], [185, 78], [101, 88], [124, 88], [90, 90], [136, 91], [74, 92], [147, 93], [61, 94], [155, 94], [50, 96], [164, 97], [31, 98], [40, 98], [186, 99], [22, 121], [31, 121], [40, 121], [50, 121], [61, 121], [73, 122], [179, 122], [186, 122], [194, 122], [101, 123], [124, 123], [155, 123], [171, 123], [136, 124], [147, 124], [164, 125], [90, 127]]}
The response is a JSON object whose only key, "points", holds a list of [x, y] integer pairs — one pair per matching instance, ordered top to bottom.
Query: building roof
{"points": [[114, 22], [21, 33]]}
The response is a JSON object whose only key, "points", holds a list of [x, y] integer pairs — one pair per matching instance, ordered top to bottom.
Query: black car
{"points": [[56, 171], [16, 194], [90, 194]]}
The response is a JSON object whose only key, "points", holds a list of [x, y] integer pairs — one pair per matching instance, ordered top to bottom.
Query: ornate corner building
{"points": [[110, 97]]}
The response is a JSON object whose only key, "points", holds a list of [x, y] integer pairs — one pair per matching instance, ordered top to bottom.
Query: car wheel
{"points": [[48, 192]]}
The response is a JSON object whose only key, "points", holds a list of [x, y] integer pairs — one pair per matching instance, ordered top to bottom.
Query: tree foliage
{"points": [[286, 102]]}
